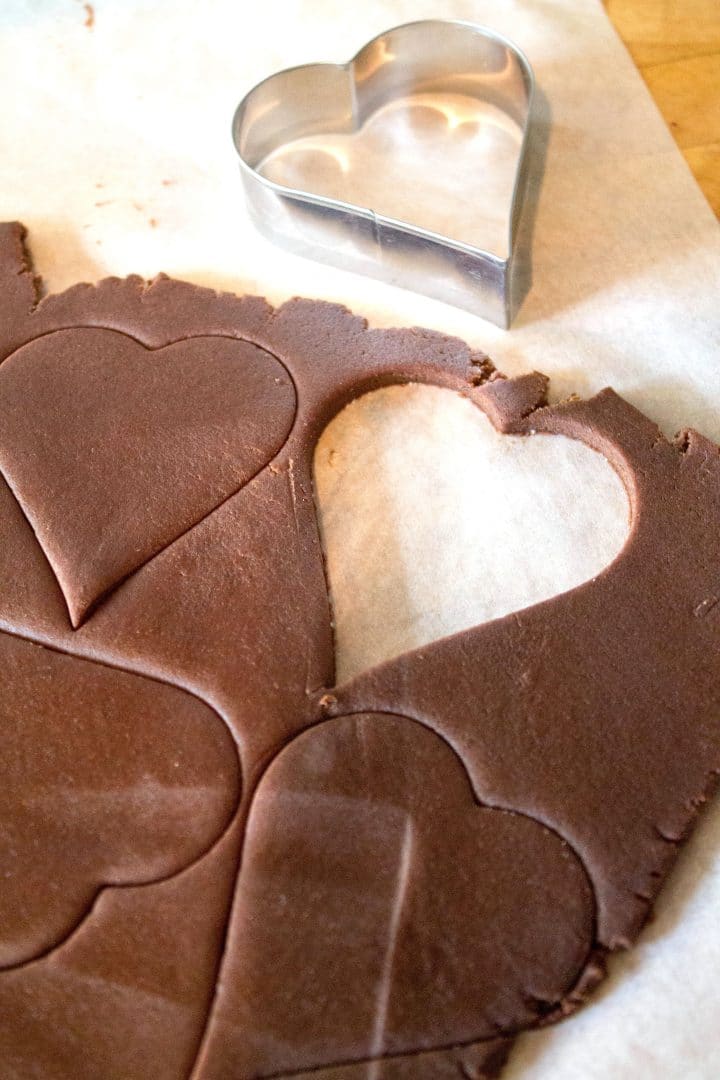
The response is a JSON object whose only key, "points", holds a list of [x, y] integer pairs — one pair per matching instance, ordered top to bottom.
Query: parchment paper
{"points": [[115, 151]]}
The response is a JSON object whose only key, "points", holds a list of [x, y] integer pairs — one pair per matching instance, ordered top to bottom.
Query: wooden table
{"points": [[676, 46]]}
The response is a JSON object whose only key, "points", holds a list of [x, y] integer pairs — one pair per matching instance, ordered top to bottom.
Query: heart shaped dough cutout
{"points": [[202, 416], [434, 522], [111, 778], [366, 918]]}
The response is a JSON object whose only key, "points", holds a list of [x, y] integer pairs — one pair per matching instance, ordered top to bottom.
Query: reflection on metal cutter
{"points": [[408, 163]]}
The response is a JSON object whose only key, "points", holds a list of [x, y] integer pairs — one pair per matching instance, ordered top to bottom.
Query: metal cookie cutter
{"points": [[459, 90]]}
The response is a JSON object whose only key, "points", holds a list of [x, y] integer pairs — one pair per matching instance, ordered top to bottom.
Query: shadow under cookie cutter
{"points": [[419, 58]]}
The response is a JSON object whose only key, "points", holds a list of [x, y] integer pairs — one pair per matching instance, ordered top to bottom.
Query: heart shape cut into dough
{"points": [[202, 416], [434, 522], [106, 778], [379, 908]]}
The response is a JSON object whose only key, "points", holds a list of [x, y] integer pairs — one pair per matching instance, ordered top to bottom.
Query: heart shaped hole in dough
{"points": [[433, 522]]}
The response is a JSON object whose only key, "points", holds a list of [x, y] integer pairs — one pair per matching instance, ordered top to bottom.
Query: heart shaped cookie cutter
{"points": [[419, 63]]}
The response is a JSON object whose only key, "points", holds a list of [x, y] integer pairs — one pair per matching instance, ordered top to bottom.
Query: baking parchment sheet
{"points": [[115, 151]]}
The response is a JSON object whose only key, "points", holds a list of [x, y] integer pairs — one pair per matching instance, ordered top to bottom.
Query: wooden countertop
{"points": [[676, 46]]}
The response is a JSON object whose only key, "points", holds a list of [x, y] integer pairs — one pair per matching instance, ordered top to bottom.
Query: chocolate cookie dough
{"points": [[216, 863]]}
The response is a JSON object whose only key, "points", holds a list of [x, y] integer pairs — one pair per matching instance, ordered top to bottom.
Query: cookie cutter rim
{"points": [[487, 276]]}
